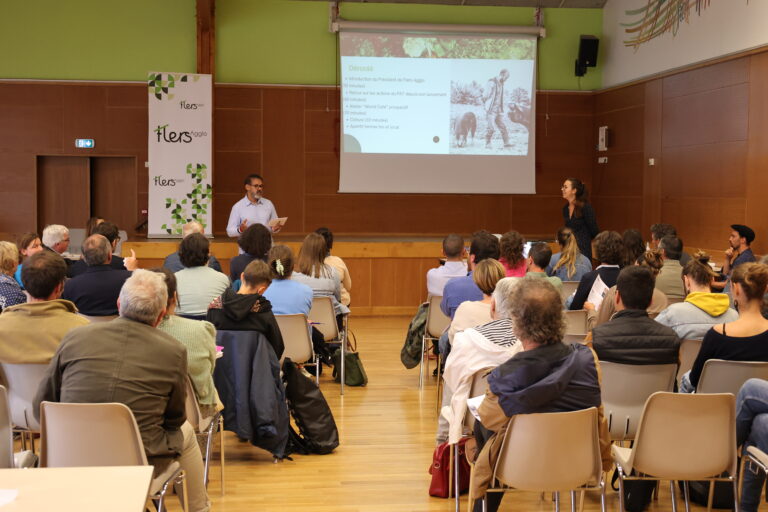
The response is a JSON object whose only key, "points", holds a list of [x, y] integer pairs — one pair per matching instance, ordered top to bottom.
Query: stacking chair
{"points": [[568, 289], [323, 317], [437, 322], [576, 322], [298, 344], [689, 349], [719, 376], [22, 381], [626, 388], [205, 428], [6, 433], [77, 435], [682, 437], [551, 452]]}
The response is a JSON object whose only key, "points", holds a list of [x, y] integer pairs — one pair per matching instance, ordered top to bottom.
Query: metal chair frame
{"points": [[429, 334], [334, 335], [194, 416]]}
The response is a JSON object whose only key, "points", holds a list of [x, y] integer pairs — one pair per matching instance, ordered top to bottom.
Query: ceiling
{"points": [[507, 3]]}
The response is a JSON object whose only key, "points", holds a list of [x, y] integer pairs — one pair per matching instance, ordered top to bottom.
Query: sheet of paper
{"points": [[280, 221], [599, 289], [473, 404], [7, 496]]}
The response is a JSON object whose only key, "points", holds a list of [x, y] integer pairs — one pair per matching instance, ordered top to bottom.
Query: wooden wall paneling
{"points": [[707, 78], [621, 98], [83, 116], [757, 153], [708, 171], [321, 173], [652, 174], [113, 190], [63, 191], [18, 195], [619, 213], [536, 216], [701, 222], [360, 272], [383, 277]]}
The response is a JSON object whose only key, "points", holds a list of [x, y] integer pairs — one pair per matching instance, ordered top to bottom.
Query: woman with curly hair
{"points": [[255, 243], [512, 244], [609, 250]]}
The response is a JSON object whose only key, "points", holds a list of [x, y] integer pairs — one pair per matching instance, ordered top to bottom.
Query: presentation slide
{"points": [[432, 109]]}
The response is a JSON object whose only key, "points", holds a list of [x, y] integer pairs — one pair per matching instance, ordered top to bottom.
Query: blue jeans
{"points": [[752, 430]]}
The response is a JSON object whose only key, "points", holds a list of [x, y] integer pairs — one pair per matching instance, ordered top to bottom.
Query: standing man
{"points": [[493, 100], [252, 209]]}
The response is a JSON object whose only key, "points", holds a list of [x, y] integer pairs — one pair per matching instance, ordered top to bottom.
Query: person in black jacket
{"points": [[579, 215], [609, 248], [247, 309], [631, 336]]}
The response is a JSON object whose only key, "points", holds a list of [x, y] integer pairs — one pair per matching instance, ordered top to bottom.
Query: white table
{"points": [[115, 488]]}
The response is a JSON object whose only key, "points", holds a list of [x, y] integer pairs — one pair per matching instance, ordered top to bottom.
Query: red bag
{"points": [[442, 470]]}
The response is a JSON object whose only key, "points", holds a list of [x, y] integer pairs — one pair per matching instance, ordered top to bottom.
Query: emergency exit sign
{"points": [[85, 143]]}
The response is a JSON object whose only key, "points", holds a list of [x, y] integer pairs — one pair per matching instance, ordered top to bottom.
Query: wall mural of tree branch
{"points": [[659, 17]]}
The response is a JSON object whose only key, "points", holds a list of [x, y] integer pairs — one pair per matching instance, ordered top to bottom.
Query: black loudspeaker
{"points": [[587, 54]]}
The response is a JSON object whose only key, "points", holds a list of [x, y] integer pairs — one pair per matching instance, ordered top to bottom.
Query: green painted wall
{"points": [[96, 39], [257, 41]]}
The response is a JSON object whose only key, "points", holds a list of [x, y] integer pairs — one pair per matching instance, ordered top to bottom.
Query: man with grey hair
{"points": [[56, 240], [173, 261], [95, 291], [131, 362], [545, 376]]}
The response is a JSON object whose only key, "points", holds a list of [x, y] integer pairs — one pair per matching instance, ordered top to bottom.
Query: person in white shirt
{"points": [[252, 209], [454, 252]]}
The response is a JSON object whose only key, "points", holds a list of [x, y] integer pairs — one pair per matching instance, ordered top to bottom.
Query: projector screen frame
{"points": [[443, 28]]}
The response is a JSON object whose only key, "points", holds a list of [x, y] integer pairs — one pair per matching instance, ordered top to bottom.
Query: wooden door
{"points": [[63, 191]]}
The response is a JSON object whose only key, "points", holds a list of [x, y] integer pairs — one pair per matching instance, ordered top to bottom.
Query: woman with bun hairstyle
{"points": [[579, 215], [569, 264], [288, 297], [692, 318], [745, 339]]}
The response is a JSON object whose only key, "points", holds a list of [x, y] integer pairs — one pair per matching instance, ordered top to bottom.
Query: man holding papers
{"points": [[253, 209]]}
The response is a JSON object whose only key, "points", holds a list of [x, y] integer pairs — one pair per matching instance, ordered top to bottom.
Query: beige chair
{"points": [[568, 289], [677, 300], [323, 318], [98, 319], [576, 322], [437, 323], [570, 339], [298, 344], [689, 349], [719, 376], [22, 381], [625, 388], [205, 428], [6, 432], [77, 435], [682, 437], [551, 452]]}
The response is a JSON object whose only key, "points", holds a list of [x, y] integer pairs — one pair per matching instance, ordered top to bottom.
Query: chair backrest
{"points": [[76, 239], [568, 289], [323, 317], [97, 319], [437, 322], [576, 322], [295, 332], [570, 339], [689, 349], [719, 376], [22, 381], [478, 387], [625, 389], [194, 416], [6, 434], [76, 435], [686, 436], [551, 451]]}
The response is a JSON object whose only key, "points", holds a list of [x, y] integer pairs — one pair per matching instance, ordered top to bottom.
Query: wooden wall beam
{"points": [[206, 36]]}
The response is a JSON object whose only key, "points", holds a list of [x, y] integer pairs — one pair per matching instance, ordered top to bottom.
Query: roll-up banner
{"points": [[180, 152]]}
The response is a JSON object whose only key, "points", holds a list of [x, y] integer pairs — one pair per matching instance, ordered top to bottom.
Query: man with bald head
{"points": [[173, 261], [95, 291]]}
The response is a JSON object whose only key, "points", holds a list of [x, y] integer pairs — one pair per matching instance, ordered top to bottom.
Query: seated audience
{"points": [[109, 231], [659, 231], [56, 240], [255, 242], [28, 244], [484, 245], [634, 246], [511, 248], [609, 251], [738, 252], [652, 260], [764, 261], [173, 262], [537, 262], [338, 264], [569, 264], [454, 266], [312, 271], [670, 279], [197, 284], [10, 291], [95, 291], [288, 297], [247, 309], [701, 309], [471, 313], [31, 332], [631, 336], [199, 337], [745, 339], [473, 349], [546, 376], [151, 379], [752, 430]]}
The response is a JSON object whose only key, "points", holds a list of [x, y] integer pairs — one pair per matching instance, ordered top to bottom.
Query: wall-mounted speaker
{"points": [[587, 54]]}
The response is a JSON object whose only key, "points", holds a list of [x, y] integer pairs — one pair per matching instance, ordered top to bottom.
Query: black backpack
{"points": [[317, 428]]}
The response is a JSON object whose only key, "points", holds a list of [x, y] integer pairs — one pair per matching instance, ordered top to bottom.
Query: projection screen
{"points": [[437, 113]]}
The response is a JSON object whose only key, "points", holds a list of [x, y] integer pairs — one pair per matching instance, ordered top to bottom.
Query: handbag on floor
{"points": [[354, 372], [442, 483]]}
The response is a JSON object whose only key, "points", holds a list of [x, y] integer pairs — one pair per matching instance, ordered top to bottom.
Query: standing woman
{"points": [[579, 215]]}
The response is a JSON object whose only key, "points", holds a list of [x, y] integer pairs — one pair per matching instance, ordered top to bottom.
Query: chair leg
{"points": [[343, 359], [421, 362], [317, 370], [439, 386], [221, 450], [456, 480], [621, 491], [185, 494], [674, 495], [687, 495], [735, 495], [710, 497], [602, 498], [573, 501], [557, 502]]}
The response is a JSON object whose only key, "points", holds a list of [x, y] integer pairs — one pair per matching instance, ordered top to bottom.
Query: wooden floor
{"points": [[387, 434]]}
